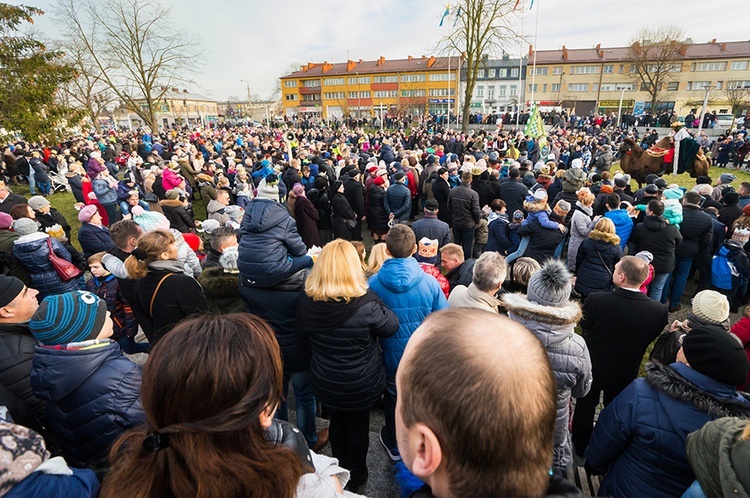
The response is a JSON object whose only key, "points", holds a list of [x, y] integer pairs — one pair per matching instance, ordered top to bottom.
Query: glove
{"points": [[285, 435]]}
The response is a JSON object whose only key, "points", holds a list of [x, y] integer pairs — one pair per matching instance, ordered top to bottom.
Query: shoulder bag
{"points": [[65, 269]]}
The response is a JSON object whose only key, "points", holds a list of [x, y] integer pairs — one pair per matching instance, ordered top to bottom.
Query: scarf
{"points": [[170, 265], [325, 315], [22, 451]]}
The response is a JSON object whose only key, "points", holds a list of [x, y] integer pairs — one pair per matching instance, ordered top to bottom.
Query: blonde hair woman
{"points": [[580, 224], [378, 256], [596, 259], [164, 295], [343, 319]]}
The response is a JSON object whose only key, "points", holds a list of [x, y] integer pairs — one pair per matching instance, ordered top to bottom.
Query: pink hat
{"points": [[298, 189], [86, 213], [6, 221]]}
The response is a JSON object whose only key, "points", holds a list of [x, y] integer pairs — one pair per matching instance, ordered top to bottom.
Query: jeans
{"points": [[32, 181], [125, 207], [465, 238], [520, 251], [679, 278], [657, 286], [129, 346], [304, 401], [389, 413], [349, 433], [694, 491]]}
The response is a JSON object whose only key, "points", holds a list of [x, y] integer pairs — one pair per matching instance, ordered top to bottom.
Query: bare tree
{"points": [[480, 27], [138, 54], [655, 56], [291, 68], [88, 90], [737, 94]]}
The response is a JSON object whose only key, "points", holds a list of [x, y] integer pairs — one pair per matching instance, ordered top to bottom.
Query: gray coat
{"points": [[580, 226], [568, 356]]}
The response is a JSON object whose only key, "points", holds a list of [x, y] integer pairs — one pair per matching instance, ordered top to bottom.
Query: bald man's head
{"points": [[483, 385]]}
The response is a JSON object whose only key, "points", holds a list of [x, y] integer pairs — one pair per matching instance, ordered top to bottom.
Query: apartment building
{"points": [[595, 79], [411, 86], [499, 86]]}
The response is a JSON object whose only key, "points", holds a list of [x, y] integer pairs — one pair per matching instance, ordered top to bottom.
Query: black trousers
{"points": [[583, 417], [349, 434]]}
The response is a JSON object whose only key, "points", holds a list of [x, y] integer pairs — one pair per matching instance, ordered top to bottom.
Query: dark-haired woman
{"points": [[344, 217], [164, 295], [211, 431]]}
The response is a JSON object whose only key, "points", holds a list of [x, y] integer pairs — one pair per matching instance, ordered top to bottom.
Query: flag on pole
{"points": [[516, 5], [445, 14], [458, 14], [535, 127]]}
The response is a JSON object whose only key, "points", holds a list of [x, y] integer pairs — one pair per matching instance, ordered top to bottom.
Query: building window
{"points": [[711, 66], [738, 66], [621, 68], [608, 69], [557, 70], [584, 70], [539, 71], [514, 72], [480, 73], [491, 73], [502, 73], [443, 76], [413, 78], [385, 79], [361, 80], [333, 81], [311, 83], [290, 84], [735, 84], [698, 85], [719, 85], [673, 86], [544, 87], [555, 87], [578, 87], [595, 87], [533, 88], [513, 90], [480, 91], [502, 91], [442, 92], [491, 92], [385, 93], [413, 93], [333, 95], [291, 96], [311, 97]]}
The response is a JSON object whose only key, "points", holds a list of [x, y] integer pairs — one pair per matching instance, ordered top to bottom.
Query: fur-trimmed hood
{"points": [[171, 203], [535, 207], [609, 238], [218, 283], [554, 317], [667, 380]]}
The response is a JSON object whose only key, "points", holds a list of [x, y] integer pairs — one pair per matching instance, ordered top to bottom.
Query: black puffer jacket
{"points": [[513, 192], [319, 198], [463, 204], [340, 212], [178, 215], [377, 216], [697, 232], [268, 237], [660, 239], [543, 241], [596, 261], [16, 353], [346, 367]]}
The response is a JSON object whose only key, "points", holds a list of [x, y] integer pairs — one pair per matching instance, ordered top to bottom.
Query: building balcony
{"points": [[307, 90]]}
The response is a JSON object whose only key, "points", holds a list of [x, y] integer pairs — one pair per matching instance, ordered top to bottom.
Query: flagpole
{"points": [[533, 71], [521, 89], [448, 100]]}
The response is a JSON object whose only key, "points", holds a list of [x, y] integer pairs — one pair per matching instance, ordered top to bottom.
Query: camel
{"points": [[639, 163]]}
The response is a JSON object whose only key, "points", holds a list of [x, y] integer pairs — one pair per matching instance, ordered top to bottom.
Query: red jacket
{"points": [[433, 270], [742, 330]]}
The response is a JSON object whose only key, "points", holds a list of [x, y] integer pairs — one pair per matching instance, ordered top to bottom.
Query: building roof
{"points": [[598, 54], [381, 65], [177, 94]]}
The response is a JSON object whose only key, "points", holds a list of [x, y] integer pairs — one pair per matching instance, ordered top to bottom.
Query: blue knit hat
{"points": [[71, 317]]}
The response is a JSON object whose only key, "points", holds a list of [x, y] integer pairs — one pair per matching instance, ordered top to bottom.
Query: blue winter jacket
{"points": [[105, 194], [398, 201], [623, 224], [498, 236], [94, 239], [268, 240], [33, 255], [412, 295], [92, 397], [639, 439], [82, 484]]}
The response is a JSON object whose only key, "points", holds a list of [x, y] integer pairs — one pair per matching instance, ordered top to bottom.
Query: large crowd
{"points": [[341, 260]]}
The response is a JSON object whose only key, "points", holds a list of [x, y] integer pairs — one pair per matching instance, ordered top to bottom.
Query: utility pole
{"points": [[249, 106]]}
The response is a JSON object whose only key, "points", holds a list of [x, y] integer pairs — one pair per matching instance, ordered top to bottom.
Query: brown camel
{"points": [[639, 163]]}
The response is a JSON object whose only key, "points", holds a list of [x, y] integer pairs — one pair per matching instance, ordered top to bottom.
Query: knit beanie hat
{"points": [[727, 178], [573, 179], [298, 189], [673, 193], [172, 194], [540, 194], [37, 202], [234, 212], [86, 213], [149, 220], [6, 221], [25, 226], [209, 226], [192, 240], [645, 256], [229, 258], [551, 285], [10, 288], [711, 307], [71, 317], [717, 354], [22, 451]]}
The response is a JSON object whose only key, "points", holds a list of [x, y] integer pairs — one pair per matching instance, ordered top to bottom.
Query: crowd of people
{"points": [[337, 263]]}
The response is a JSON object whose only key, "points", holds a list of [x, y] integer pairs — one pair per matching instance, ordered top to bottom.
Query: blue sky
{"points": [[258, 40]]}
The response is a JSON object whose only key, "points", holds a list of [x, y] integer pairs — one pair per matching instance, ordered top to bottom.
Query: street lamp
{"points": [[619, 107], [703, 109]]}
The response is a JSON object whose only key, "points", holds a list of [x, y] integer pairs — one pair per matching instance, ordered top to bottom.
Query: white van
{"points": [[724, 121]]}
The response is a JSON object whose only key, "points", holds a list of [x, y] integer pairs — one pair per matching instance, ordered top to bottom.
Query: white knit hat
{"points": [[711, 307]]}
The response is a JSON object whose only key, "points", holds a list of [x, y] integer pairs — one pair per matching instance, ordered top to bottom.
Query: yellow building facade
{"points": [[594, 80], [412, 86]]}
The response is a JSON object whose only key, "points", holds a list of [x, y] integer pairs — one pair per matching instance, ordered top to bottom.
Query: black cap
{"points": [[353, 172], [651, 178], [660, 183], [651, 189], [431, 205], [10, 288], [716, 353]]}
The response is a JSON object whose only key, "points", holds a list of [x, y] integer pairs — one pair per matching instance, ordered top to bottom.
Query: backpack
{"points": [[723, 272]]}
